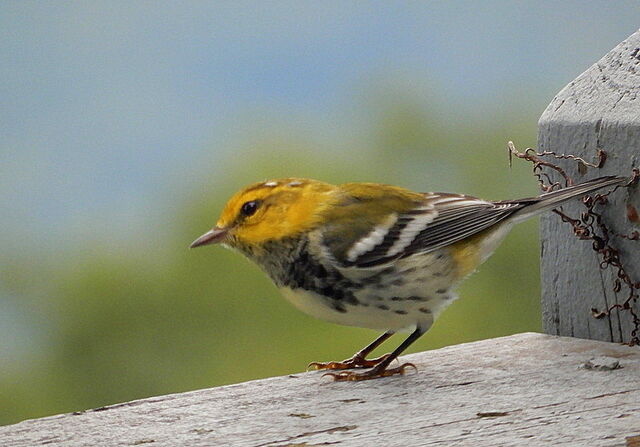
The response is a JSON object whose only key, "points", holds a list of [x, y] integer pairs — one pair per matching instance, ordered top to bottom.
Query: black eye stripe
{"points": [[249, 208]]}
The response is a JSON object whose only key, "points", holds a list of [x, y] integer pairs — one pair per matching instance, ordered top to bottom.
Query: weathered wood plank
{"points": [[598, 110], [527, 389]]}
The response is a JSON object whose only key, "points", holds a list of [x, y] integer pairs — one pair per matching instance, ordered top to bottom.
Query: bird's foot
{"points": [[357, 361], [373, 373]]}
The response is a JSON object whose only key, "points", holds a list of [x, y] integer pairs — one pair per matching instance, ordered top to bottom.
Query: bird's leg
{"points": [[359, 359], [381, 369]]}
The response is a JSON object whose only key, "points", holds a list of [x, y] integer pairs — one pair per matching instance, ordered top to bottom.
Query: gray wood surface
{"points": [[600, 109], [526, 389]]}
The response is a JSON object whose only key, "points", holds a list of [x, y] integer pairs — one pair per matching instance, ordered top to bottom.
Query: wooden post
{"points": [[600, 109]]}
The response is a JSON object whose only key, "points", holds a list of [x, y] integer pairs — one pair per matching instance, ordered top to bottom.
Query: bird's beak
{"points": [[210, 237]]}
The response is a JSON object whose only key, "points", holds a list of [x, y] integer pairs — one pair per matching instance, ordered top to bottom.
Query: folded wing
{"points": [[441, 220]]}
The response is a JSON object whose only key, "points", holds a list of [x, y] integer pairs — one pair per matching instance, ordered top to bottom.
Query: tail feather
{"points": [[553, 199]]}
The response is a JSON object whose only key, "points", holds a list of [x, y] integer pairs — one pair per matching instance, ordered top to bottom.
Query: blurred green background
{"points": [[125, 127]]}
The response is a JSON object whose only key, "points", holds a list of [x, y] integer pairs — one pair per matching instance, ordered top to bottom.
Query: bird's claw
{"points": [[354, 362], [374, 373]]}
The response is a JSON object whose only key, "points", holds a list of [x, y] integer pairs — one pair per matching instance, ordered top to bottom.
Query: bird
{"points": [[372, 255]]}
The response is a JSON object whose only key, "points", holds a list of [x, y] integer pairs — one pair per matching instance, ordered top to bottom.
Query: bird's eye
{"points": [[249, 208]]}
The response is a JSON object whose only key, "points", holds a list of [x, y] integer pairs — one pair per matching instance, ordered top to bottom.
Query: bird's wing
{"points": [[440, 220]]}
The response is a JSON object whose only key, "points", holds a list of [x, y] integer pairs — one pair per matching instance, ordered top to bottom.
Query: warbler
{"points": [[372, 255]]}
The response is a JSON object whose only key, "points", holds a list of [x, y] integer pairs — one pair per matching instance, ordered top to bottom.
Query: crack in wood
{"points": [[600, 396], [331, 430]]}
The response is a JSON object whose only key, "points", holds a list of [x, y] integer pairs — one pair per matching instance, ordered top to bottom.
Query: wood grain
{"points": [[528, 389]]}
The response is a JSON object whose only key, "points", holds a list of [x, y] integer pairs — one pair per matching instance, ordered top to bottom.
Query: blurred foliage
{"points": [[155, 318]]}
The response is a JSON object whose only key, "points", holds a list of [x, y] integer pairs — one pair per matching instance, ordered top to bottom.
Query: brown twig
{"points": [[590, 226]]}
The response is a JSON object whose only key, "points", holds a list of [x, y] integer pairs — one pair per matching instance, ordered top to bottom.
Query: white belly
{"points": [[415, 294], [369, 315]]}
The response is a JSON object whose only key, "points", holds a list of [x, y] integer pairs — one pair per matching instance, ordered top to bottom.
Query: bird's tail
{"points": [[550, 200]]}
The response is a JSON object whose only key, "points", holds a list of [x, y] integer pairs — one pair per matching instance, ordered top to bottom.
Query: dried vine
{"points": [[590, 225]]}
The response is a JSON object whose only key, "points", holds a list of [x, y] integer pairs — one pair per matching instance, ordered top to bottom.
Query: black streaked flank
{"points": [[298, 270], [377, 277]]}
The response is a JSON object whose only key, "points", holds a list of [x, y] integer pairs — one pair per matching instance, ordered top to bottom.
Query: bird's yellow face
{"points": [[270, 210]]}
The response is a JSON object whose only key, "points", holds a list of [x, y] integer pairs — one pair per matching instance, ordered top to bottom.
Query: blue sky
{"points": [[104, 104]]}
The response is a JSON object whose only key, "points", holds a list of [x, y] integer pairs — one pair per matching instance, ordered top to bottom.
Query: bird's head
{"points": [[269, 211]]}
